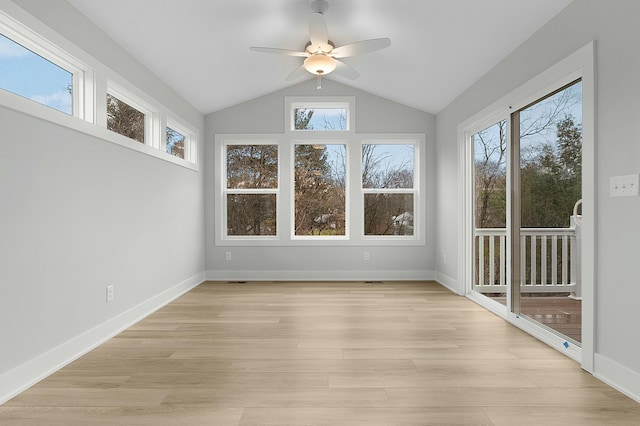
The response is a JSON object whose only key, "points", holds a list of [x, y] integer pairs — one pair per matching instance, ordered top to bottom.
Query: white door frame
{"points": [[580, 64]]}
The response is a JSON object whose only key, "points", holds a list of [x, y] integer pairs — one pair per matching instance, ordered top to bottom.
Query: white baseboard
{"points": [[327, 275], [448, 282], [31, 372], [617, 376]]}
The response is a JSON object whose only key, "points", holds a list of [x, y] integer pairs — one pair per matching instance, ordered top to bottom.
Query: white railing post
{"points": [[576, 255], [566, 263]]}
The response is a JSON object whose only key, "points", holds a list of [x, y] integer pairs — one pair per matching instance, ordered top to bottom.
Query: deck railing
{"points": [[549, 260]]}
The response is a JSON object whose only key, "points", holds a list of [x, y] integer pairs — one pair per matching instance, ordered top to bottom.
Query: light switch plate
{"points": [[624, 186]]}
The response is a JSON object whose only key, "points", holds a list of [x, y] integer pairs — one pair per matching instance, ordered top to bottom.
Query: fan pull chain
{"points": [[319, 82]]}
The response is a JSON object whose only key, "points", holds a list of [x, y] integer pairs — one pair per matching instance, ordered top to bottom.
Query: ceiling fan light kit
{"points": [[321, 55]]}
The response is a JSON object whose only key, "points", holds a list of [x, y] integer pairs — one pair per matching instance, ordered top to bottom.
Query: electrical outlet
{"points": [[227, 255], [365, 255], [109, 293]]}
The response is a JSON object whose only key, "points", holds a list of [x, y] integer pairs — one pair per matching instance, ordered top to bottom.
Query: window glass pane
{"points": [[33, 77], [124, 119], [320, 119], [175, 142], [550, 159], [252, 166], [387, 166], [320, 174], [490, 176], [251, 214], [388, 214]]}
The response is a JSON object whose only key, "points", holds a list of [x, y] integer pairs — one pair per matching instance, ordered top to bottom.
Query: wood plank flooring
{"points": [[339, 353]]}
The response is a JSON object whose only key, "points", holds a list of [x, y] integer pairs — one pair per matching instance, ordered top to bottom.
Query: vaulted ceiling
{"points": [[200, 48]]}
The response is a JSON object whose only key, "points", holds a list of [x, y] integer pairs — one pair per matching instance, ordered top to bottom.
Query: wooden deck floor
{"points": [[560, 313], [354, 354]]}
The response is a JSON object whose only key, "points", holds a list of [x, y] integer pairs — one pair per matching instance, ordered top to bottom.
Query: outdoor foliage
{"points": [[124, 119], [175, 143], [550, 165], [251, 167], [320, 173], [319, 191], [387, 213]]}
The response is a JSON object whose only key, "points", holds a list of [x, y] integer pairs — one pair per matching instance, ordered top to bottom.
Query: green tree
{"points": [[551, 182]]}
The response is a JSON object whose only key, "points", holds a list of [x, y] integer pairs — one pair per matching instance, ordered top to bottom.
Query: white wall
{"points": [[373, 115], [78, 213], [617, 285]]}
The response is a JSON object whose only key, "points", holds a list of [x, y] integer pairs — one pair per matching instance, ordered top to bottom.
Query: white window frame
{"points": [[82, 75], [92, 80], [294, 102], [151, 115], [190, 139], [418, 208], [347, 209], [222, 220], [354, 221]]}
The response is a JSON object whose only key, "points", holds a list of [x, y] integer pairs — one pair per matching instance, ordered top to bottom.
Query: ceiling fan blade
{"points": [[318, 33], [360, 47], [279, 51], [346, 70], [297, 73]]}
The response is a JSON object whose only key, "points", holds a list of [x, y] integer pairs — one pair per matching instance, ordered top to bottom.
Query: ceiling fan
{"points": [[321, 55]]}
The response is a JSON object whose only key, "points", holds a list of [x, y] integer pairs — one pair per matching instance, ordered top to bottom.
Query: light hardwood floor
{"points": [[343, 353]]}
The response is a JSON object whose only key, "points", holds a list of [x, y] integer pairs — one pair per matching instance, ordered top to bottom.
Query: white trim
{"points": [[580, 64], [82, 74], [90, 87], [293, 102], [151, 114], [190, 135], [355, 210], [321, 275], [449, 283], [31, 372], [617, 376]]}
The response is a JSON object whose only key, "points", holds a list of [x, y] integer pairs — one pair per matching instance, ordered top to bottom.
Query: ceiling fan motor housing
{"points": [[319, 6]]}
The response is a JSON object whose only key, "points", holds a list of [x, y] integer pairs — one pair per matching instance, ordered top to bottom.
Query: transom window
{"points": [[35, 71], [31, 76], [326, 115], [124, 119]]}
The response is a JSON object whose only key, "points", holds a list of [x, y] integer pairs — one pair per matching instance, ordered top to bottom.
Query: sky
{"points": [[33, 77], [571, 101]]}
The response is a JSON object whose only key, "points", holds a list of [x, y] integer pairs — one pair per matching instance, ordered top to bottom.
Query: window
{"points": [[38, 72], [34, 77], [311, 115], [124, 119], [320, 119], [175, 142], [320, 187], [251, 189], [388, 189], [277, 190], [320, 190]]}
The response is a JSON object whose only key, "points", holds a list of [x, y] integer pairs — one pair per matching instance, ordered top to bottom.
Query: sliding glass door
{"points": [[527, 173], [546, 186]]}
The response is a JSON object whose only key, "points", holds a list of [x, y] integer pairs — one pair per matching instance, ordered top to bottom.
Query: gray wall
{"points": [[614, 27], [373, 115], [78, 213]]}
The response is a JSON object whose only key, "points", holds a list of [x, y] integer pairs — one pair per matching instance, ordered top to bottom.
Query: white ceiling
{"points": [[201, 47]]}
